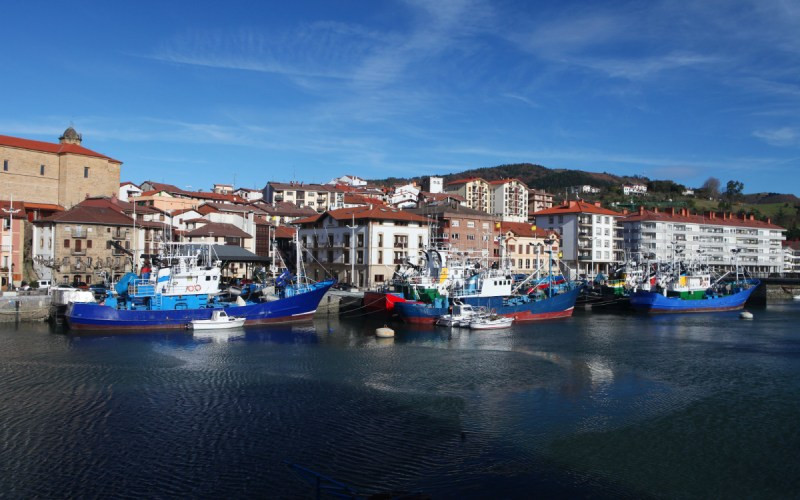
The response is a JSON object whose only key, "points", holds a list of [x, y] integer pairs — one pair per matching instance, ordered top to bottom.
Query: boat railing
{"points": [[141, 288]]}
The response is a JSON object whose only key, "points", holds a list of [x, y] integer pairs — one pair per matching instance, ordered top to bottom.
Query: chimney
{"points": [[597, 204], [641, 209], [655, 209], [624, 211], [672, 211], [752, 217], [769, 220]]}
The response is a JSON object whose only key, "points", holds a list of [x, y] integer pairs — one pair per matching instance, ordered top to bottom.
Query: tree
{"points": [[710, 187], [733, 191]]}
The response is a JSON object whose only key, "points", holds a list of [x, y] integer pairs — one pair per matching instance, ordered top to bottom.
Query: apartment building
{"points": [[476, 192], [320, 197], [539, 199], [509, 200], [462, 229], [719, 239], [591, 240], [360, 245], [791, 256]]}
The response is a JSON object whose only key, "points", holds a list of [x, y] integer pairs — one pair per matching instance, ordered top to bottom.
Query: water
{"points": [[603, 406]]}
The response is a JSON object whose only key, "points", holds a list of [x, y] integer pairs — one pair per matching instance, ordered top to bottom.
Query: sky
{"points": [[193, 93]]}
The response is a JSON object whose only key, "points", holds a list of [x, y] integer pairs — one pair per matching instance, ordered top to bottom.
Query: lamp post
{"points": [[10, 211], [549, 244]]}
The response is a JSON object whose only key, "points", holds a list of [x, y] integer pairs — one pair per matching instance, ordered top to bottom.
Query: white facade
{"points": [[350, 180], [435, 184], [583, 189], [634, 189], [128, 190], [249, 194], [405, 196], [509, 200], [244, 221], [707, 239], [43, 251], [365, 256], [791, 258]]}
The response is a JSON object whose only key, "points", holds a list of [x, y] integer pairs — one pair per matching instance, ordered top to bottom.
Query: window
{"points": [[5, 165], [41, 169], [85, 172], [550, 219], [455, 223], [471, 223], [485, 225], [471, 237], [360, 238], [380, 240], [66, 243], [88, 243], [380, 256], [527, 263], [520, 264], [378, 278]]}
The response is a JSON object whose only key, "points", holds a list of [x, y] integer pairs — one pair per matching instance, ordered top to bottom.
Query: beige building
{"points": [[62, 173], [475, 190], [539, 199], [81, 244], [528, 247]]}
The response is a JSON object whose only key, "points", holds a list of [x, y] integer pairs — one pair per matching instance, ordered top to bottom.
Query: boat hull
{"points": [[381, 302], [656, 303], [558, 306], [292, 309]]}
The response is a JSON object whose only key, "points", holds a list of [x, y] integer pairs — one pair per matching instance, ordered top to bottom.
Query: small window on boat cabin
{"points": [[208, 278], [215, 278]]}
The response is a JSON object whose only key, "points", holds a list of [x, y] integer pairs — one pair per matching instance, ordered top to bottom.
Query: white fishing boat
{"points": [[460, 315], [219, 321], [490, 322]]}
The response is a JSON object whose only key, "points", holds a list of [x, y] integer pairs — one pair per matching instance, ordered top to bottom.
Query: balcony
{"points": [[79, 233], [119, 235], [78, 251], [584, 257]]}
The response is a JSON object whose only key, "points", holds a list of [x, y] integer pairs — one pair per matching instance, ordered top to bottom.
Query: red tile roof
{"points": [[49, 147], [503, 181], [577, 207], [88, 214], [711, 218], [525, 229], [285, 232]]}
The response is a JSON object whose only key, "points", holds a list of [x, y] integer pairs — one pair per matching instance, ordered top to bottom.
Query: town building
{"points": [[62, 173], [348, 180], [433, 184], [222, 188], [583, 189], [634, 189], [128, 190], [475, 190], [249, 194], [404, 195], [317, 196], [538, 199], [509, 200], [280, 213], [461, 229], [719, 239], [591, 240], [12, 241], [83, 244], [361, 245], [527, 247], [791, 256]]}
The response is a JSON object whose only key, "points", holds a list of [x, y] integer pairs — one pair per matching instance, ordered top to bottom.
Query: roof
{"points": [[49, 147], [465, 180], [504, 181], [128, 183], [160, 186], [280, 186], [206, 195], [441, 196], [357, 199], [27, 205], [229, 207], [577, 207], [284, 208], [445, 209], [365, 213], [88, 214], [710, 218], [218, 229], [525, 229], [285, 232], [793, 244], [233, 253]]}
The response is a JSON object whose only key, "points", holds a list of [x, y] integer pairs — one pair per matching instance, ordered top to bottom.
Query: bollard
{"points": [[16, 311]]}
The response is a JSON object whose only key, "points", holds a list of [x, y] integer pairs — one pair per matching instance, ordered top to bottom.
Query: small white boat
{"points": [[796, 297], [460, 316], [219, 321], [490, 322]]}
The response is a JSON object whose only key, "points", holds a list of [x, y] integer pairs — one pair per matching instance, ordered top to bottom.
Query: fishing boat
{"points": [[184, 287], [686, 288], [219, 321], [493, 322]]}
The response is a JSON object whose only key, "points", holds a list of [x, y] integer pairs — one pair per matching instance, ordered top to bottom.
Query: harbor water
{"points": [[698, 405]]}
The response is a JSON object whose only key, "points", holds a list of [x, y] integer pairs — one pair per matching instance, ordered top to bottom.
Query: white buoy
{"points": [[746, 315], [384, 332]]}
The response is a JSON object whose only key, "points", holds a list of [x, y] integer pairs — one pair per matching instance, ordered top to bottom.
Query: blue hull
{"points": [[652, 302], [558, 306], [99, 317]]}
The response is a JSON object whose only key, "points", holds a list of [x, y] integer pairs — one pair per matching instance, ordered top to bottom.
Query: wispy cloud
{"points": [[785, 136]]}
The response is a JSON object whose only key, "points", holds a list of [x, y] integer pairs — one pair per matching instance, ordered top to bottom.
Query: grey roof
{"points": [[232, 253]]}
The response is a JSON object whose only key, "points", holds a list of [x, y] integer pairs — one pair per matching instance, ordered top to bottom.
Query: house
{"points": [[348, 180], [433, 185], [222, 188], [583, 189], [634, 189], [128, 190], [249, 195], [404, 195], [361, 245], [527, 247], [791, 256]]}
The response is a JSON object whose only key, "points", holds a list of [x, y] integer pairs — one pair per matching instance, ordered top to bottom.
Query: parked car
{"points": [[43, 284]]}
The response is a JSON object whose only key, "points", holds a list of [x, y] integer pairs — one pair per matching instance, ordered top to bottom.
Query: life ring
{"points": [[189, 288], [197, 288]]}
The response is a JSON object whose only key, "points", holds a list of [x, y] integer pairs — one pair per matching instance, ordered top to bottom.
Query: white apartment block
{"points": [[634, 189], [475, 190], [317, 196], [509, 200], [710, 238], [591, 241], [361, 245], [791, 256]]}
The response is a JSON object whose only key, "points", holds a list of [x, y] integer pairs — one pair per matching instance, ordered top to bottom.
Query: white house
{"points": [[350, 180], [634, 189], [128, 190], [249, 194], [405, 196], [509, 200]]}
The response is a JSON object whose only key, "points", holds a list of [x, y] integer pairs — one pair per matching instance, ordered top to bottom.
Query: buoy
{"points": [[746, 315], [384, 332]]}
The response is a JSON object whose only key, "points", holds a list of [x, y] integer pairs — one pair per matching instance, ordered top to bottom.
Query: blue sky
{"points": [[193, 93]]}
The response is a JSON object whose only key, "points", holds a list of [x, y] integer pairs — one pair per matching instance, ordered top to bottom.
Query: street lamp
{"points": [[10, 211]]}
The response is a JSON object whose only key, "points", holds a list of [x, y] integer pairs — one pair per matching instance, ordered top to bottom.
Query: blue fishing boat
{"points": [[186, 287], [730, 297]]}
